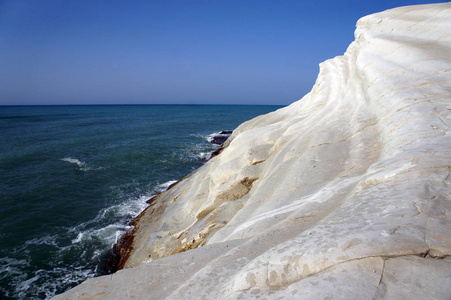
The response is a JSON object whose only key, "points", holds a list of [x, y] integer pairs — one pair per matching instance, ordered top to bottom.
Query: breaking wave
{"points": [[90, 241]]}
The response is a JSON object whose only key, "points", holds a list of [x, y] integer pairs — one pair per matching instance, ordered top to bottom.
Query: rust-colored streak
{"points": [[217, 151], [123, 249]]}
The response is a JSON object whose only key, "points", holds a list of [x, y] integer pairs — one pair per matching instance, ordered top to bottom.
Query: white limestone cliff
{"points": [[346, 193]]}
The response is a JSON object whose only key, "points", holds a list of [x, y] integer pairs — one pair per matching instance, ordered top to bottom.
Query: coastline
{"points": [[90, 171], [348, 187], [123, 248]]}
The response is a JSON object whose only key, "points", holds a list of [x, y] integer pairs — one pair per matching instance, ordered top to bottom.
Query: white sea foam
{"points": [[202, 136], [210, 137], [196, 152], [205, 155], [79, 163], [82, 166], [162, 187], [122, 213], [50, 240], [91, 240], [10, 267], [47, 282], [24, 285]]}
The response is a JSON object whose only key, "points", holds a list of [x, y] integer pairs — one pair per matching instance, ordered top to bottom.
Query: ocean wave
{"points": [[198, 153], [205, 155], [79, 163], [82, 166], [164, 186], [117, 217], [50, 240], [90, 241], [12, 268], [47, 283]]}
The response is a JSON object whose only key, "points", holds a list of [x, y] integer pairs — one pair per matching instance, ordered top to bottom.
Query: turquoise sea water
{"points": [[72, 177]]}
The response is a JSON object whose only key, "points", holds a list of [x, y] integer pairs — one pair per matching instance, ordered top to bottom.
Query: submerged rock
{"points": [[343, 194]]}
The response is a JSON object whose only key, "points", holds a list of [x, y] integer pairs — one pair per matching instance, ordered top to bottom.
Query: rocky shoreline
{"points": [[345, 194], [123, 248]]}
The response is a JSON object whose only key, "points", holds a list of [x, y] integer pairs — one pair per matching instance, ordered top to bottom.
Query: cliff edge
{"points": [[346, 193]]}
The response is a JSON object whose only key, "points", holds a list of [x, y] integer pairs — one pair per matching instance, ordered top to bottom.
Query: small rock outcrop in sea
{"points": [[220, 137], [345, 194]]}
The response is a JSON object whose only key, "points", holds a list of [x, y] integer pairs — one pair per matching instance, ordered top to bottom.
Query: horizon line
{"points": [[147, 104]]}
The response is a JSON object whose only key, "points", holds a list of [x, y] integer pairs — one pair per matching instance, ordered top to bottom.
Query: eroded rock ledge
{"points": [[343, 194]]}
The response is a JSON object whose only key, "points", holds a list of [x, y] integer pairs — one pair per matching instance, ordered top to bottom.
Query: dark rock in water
{"points": [[220, 137], [219, 140]]}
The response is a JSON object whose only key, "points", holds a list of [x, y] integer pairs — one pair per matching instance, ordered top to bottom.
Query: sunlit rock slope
{"points": [[343, 194]]}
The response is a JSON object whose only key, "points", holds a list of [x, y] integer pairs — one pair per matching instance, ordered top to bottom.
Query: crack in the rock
{"points": [[443, 121], [447, 177], [425, 254], [382, 272], [380, 286]]}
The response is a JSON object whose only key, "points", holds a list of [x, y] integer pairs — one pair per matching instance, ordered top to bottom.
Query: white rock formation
{"points": [[343, 194]]}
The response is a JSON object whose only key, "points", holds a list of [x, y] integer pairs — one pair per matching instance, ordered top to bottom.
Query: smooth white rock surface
{"points": [[345, 194]]}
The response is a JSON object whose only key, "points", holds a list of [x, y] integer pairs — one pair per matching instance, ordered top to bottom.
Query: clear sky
{"points": [[171, 51]]}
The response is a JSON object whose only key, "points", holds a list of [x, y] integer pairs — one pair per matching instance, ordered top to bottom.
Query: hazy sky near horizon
{"points": [[171, 51]]}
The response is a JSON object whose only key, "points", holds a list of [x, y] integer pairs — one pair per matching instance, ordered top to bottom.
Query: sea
{"points": [[73, 177]]}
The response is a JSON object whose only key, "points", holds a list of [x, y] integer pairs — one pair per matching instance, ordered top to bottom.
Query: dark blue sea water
{"points": [[72, 177]]}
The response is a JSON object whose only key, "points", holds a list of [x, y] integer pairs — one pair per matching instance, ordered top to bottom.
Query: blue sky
{"points": [[171, 51]]}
